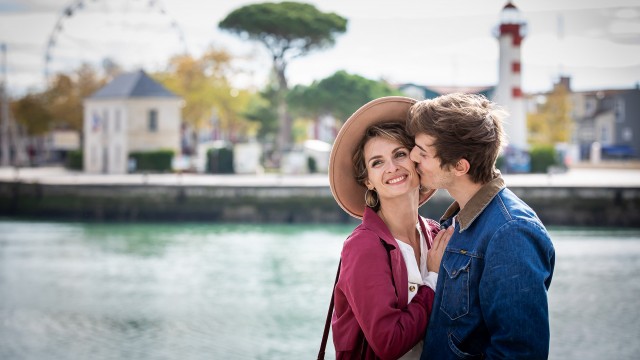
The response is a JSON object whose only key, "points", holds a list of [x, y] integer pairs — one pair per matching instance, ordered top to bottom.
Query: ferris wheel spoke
{"points": [[62, 35]]}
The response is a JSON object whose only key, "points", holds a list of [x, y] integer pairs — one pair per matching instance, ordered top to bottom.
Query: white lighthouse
{"points": [[510, 32]]}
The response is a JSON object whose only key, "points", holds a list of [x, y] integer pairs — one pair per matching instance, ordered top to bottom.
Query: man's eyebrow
{"points": [[421, 148]]}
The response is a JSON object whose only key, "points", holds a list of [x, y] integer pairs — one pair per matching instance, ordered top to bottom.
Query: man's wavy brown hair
{"points": [[465, 126]]}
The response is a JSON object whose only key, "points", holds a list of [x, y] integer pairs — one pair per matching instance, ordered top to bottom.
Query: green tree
{"points": [[288, 30], [339, 95], [262, 111], [552, 123]]}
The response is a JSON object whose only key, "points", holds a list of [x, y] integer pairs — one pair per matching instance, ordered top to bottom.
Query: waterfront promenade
{"points": [[575, 177], [583, 196]]}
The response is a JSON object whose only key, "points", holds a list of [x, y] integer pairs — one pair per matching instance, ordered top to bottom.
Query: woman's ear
{"points": [[462, 167], [369, 185]]}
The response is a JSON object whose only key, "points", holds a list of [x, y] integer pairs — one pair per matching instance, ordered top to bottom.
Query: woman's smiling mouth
{"points": [[396, 179]]}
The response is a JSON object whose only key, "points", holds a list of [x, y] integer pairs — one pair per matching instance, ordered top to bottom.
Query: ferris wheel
{"points": [[131, 33]]}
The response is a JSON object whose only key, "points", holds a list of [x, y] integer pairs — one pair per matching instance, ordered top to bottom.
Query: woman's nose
{"points": [[392, 167]]}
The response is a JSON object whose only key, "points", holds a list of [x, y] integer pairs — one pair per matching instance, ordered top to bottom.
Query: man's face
{"points": [[432, 176]]}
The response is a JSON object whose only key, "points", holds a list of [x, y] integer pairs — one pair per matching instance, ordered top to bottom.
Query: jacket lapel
{"points": [[373, 222], [427, 235]]}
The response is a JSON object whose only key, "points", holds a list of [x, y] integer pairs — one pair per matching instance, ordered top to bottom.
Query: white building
{"points": [[133, 113]]}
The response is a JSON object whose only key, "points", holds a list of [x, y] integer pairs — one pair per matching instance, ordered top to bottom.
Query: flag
{"points": [[95, 123]]}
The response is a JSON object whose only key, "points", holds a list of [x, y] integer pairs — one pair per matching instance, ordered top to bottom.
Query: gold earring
{"points": [[369, 195]]}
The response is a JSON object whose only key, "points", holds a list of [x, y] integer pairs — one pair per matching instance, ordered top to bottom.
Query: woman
{"points": [[381, 303]]}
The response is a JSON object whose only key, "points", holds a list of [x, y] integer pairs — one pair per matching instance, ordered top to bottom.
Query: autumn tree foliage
{"points": [[205, 86], [59, 106], [551, 123]]}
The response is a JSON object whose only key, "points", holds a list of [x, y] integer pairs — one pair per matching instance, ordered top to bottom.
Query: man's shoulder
{"points": [[514, 208], [507, 211]]}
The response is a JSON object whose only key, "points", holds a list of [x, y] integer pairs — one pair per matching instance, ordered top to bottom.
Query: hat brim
{"points": [[349, 194]]}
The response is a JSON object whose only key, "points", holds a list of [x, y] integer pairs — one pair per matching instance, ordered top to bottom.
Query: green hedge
{"points": [[542, 157], [74, 160], [220, 160], [156, 161], [312, 166]]}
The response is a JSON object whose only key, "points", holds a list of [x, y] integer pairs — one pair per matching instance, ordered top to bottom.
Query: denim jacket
{"points": [[491, 297]]}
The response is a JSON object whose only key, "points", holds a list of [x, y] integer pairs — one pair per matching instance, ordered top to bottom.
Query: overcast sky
{"points": [[425, 42]]}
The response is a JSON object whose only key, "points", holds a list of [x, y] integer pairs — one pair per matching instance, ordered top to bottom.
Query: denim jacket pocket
{"points": [[455, 291], [453, 345]]}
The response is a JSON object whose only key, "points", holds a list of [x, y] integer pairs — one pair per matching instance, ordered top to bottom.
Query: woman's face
{"points": [[390, 170]]}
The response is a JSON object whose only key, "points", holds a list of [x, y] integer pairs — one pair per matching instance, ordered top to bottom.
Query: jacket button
{"points": [[412, 288]]}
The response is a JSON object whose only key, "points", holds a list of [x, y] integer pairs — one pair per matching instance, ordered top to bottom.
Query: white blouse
{"points": [[417, 275]]}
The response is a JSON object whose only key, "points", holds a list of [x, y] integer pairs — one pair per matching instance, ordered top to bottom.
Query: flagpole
{"points": [[4, 110]]}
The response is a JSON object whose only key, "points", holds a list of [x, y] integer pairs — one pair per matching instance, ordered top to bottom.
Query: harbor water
{"points": [[197, 291]]}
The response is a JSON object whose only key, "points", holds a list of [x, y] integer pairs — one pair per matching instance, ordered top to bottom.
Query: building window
{"points": [[590, 107], [619, 109], [105, 120], [153, 120], [95, 121], [116, 125], [627, 134], [604, 135], [117, 154], [94, 156]]}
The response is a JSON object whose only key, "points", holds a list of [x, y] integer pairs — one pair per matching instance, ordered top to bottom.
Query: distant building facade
{"points": [[133, 113], [610, 118]]}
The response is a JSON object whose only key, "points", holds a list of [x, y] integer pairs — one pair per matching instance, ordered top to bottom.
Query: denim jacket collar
{"points": [[474, 207]]}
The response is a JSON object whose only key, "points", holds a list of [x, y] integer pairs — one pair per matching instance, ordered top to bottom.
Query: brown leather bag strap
{"points": [[327, 324]]}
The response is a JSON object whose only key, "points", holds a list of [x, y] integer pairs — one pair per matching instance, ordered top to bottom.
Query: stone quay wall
{"points": [[556, 206]]}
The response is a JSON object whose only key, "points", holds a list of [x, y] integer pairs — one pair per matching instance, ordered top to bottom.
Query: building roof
{"points": [[509, 6], [132, 85], [432, 91]]}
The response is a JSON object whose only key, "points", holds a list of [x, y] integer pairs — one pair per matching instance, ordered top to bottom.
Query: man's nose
{"points": [[413, 155]]}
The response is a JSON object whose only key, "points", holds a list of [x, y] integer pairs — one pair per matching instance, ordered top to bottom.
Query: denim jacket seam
{"points": [[503, 210], [464, 252]]}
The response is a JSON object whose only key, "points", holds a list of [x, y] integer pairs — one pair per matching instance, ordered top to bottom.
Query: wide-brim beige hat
{"points": [[345, 189]]}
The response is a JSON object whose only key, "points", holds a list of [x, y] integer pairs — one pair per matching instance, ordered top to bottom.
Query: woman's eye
{"points": [[401, 154], [376, 163]]}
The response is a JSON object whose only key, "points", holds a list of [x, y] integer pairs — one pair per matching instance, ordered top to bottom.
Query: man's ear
{"points": [[462, 167]]}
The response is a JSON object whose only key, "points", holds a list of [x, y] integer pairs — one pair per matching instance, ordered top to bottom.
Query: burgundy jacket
{"points": [[372, 292]]}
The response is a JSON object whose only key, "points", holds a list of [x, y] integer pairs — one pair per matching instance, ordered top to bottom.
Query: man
{"points": [[491, 295]]}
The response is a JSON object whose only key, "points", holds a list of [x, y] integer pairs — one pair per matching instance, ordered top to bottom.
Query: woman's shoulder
{"points": [[362, 238]]}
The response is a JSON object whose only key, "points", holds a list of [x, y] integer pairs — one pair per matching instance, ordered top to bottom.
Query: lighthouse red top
{"points": [[512, 23]]}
